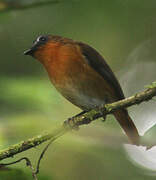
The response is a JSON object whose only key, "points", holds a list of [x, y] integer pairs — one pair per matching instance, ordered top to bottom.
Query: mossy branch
{"points": [[79, 120]]}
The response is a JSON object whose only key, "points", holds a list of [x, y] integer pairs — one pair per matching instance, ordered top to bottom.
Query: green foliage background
{"points": [[29, 104]]}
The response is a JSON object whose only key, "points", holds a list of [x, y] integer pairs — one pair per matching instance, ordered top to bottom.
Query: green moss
{"points": [[152, 85], [109, 107], [91, 114]]}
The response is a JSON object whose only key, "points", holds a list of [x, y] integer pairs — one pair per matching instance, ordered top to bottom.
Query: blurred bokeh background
{"points": [[123, 31]]}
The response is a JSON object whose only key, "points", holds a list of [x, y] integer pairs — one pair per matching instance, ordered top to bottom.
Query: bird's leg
{"points": [[101, 113]]}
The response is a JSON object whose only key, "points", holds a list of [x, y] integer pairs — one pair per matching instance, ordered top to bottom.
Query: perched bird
{"points": [[82, 76]]}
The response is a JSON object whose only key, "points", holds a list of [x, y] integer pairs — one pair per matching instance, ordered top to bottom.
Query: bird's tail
{"points": [[128, 126]]}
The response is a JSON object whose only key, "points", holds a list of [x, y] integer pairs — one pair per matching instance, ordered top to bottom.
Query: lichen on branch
{"points": [[77, 121]]}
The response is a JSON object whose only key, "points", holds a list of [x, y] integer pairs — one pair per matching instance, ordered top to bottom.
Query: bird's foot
{"points": [[101, 114]]}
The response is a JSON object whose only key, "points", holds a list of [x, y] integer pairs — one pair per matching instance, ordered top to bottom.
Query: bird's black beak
{"points": [[29, 52]]}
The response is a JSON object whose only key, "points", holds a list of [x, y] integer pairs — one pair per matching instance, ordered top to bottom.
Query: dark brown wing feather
{"points": [[96, 61]]}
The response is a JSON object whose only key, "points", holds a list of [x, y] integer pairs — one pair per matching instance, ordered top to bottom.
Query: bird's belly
{"points": [[82, 99], [86, 102]]}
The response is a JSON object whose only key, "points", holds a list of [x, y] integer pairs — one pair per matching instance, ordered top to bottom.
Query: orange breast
{"points": [[74, 78]]}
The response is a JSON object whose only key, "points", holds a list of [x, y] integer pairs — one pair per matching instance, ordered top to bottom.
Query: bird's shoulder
{"points": [[97, 62]]}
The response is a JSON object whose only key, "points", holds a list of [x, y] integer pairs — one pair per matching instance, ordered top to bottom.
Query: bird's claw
{"points": [[101, 113]]}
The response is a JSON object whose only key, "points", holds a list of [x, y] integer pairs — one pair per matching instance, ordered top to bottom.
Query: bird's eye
{"points": [[42, 38]]}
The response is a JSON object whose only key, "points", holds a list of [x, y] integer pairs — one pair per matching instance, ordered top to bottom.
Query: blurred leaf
{"points": [[23, 4], [3, 6], [27, 95], [13, 174], [18, 174]]}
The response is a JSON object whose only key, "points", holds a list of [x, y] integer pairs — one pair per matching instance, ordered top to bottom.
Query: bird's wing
{"points": [[96, 61]]}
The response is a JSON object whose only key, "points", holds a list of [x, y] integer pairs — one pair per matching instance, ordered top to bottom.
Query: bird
{"points": [[82, 76]]}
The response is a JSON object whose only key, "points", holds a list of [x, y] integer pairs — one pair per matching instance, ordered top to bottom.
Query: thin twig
{"points": [[41, 156], [28, 163]]}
